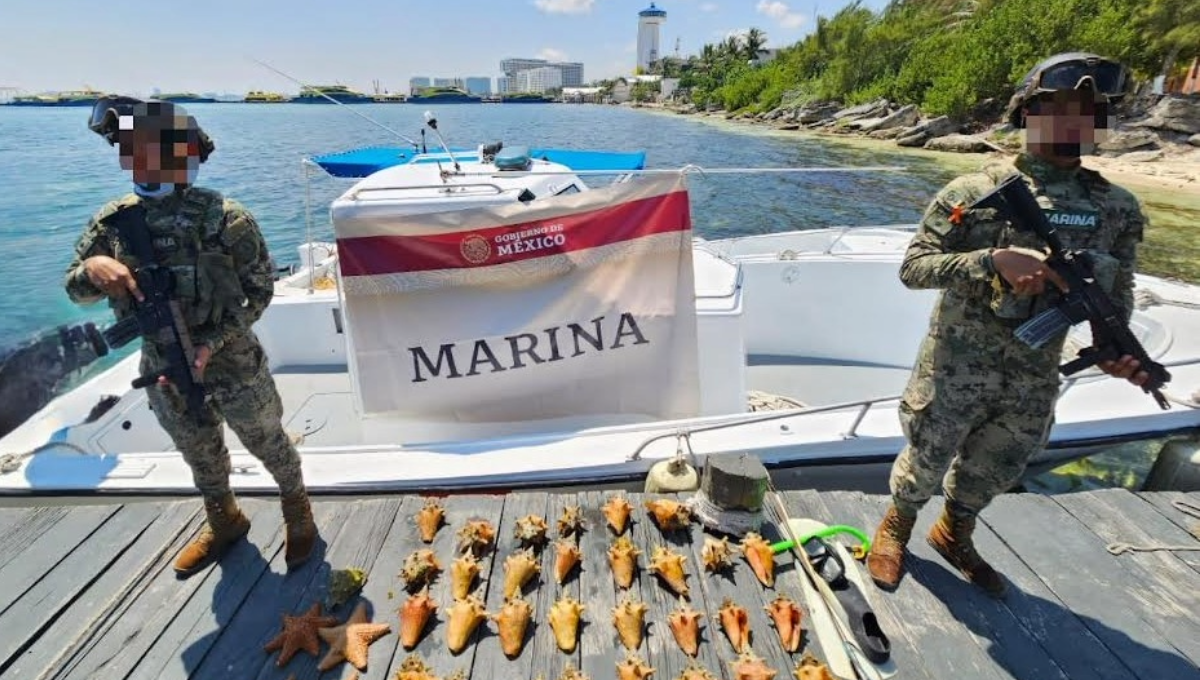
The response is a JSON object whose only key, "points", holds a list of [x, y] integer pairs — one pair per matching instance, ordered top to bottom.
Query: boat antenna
{"points": [[348, 108], [432, 123]]}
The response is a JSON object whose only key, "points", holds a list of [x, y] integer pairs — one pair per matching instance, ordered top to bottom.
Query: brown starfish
{"points": [[299, 633], [349, 641]]}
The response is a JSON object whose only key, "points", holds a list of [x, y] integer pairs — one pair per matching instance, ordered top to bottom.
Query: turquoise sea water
{"points": [[54, 174]]}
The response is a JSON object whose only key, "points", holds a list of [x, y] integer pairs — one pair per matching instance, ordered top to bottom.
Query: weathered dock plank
{"points": [[1162, 502], [27, 528], [356, 545], [52, 546], [1073, 563], [1168, 587], [94, 591], [106, 603], [1036, 607], [892, 609], [25, 614], [189, 634], [597, 642], [238, 648], [433, 648], [659, 648], [118, 649], [489, 659]]}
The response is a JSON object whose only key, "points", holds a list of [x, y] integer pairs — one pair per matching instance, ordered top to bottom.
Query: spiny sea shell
{"points": [[616, 511], [430, 519], [668, 565]]}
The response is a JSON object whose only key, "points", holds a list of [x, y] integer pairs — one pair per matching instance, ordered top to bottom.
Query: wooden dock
{"points": [[87, 592]]}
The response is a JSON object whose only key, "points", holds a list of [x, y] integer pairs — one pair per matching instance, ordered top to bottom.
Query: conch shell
{"points": [[616, 511], [669, 515], [430, 518], [571, 521], [530, 531], [476, 537], [758, 554], [568, 555], [717, 555], [622, 557], [668, 566], [420, 568], [518, 569], [462, 575], [414, 615], [465, 616], [787, 616], [628, 618], [564, 620], [735, 621], [511, 623], [685, 626], [750, 667], [413, 668], [633, 668], [809, 668], [695, 671]]}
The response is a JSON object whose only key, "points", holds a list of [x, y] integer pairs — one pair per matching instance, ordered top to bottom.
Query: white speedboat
{"points": [[488, 319]]}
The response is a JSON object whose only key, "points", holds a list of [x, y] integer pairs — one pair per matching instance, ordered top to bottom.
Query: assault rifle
{"points": [[1086, 301], [157, 317]]}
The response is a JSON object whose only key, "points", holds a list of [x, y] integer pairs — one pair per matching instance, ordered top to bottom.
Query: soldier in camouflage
{"points": [[223, 280], [980, 402]]}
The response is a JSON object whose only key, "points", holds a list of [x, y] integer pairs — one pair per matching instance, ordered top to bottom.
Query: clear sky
{"points": [[136, 45]]}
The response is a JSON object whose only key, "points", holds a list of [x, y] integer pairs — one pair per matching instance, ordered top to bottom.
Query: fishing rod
{"points": [[415, 144], [689, 168]]}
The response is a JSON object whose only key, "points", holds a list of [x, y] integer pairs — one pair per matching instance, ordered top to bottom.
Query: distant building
{"points": [[649, 21], [571, 72], [539, 80], [415, 84], [479, 85], [578, 95]]}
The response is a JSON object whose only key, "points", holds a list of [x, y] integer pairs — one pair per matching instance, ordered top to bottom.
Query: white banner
{"points": [[572, 305]]}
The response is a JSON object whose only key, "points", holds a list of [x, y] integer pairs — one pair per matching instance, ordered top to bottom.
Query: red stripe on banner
{"points": [[377, 255]]}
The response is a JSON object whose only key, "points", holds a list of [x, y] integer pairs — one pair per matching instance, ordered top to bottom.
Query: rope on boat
{"points": [[11, 462], [736, 522]]}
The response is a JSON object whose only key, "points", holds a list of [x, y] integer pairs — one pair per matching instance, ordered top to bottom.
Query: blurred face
{"points": [[1066, 123], [159, 156]]}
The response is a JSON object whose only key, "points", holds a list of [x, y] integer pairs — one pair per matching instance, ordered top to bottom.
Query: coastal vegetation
{"points": [[945, 56]]}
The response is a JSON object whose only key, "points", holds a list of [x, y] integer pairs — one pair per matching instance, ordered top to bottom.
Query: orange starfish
{"points": [[299, 632], [349, 641]]}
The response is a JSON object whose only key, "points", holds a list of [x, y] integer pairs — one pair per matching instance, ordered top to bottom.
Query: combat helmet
{"points": [[1069, 71], [113, 113]]}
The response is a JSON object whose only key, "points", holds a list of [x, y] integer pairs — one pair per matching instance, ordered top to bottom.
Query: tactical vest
{"points": [[1085, 220], [188, 236]]}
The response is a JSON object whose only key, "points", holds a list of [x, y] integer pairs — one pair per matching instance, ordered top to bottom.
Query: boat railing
{"points": [[476, 189], [863, 406]]}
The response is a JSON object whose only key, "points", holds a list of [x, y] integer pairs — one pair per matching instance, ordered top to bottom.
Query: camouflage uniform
{"points": [[224, 279], [980, 402]]}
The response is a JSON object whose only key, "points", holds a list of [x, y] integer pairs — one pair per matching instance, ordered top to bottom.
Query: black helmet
{"points": [[1069, 71], [109, 110]]}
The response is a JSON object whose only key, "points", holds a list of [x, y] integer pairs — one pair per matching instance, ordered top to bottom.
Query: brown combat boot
{"points": [[226, 525], [301, 530], [951, 537], [885, 561]]}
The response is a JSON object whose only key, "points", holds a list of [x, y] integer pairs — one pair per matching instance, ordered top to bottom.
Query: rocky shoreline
{"points": [[1159, 143]]}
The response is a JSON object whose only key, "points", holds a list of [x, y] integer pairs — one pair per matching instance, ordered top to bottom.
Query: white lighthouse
{"points": [[649, 20]]}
